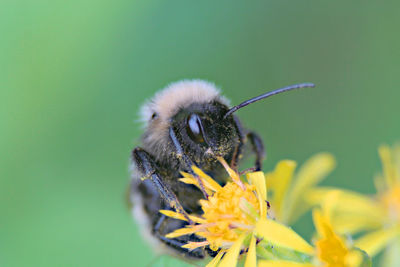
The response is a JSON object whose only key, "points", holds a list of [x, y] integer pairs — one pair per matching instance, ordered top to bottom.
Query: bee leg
{"points": [[256, 143], [239, 148], [258, 148], [179, 150], [188, 162], [146, 166], [159, 231]]}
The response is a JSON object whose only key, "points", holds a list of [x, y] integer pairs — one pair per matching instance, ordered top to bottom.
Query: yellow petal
{"points": [[389, 170], [311, 173], [186, 175], [234, 175], [258, 180], [189, 181], [193, 181], [209, 182], [279, 182], [348, 201], [329, 203], [350, 212], [173, 214], [179, 216], [348, 223], [322, 225], [180, 232], [281, 235], [374, 242], [194, 245], [231, 257], [251, 258], [216, 259], [281, 263]]}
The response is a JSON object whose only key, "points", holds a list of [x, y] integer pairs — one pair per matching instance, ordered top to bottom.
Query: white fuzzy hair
{"points": [[179, 95]]}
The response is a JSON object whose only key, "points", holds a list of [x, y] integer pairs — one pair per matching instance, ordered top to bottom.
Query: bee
{"points": [[189, 123]]}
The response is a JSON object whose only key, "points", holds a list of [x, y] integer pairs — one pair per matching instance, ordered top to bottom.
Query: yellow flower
{"points": [[289, 189], [378, 215], [235, 219], [331, 249]]}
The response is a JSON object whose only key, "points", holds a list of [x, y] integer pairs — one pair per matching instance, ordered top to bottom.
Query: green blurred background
{"points": [[74, 73]]}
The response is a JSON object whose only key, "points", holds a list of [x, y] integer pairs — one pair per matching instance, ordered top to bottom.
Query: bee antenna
{"points": [[268, 94]]}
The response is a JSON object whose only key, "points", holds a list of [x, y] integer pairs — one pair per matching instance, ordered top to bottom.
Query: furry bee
{"points": [[187, 123]]}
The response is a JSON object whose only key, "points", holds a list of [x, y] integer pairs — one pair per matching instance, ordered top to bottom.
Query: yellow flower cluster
{"points": [[376, 217], [239, 224]]}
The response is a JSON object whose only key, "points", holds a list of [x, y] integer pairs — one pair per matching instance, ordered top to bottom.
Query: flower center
{"points": [[228, 214]]}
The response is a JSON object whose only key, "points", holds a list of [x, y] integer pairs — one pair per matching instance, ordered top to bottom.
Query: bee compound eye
{"points": [[195, 128]]}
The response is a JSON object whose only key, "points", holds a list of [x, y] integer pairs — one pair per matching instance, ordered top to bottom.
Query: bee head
{"points": [[194, 110], [204, 132]]}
